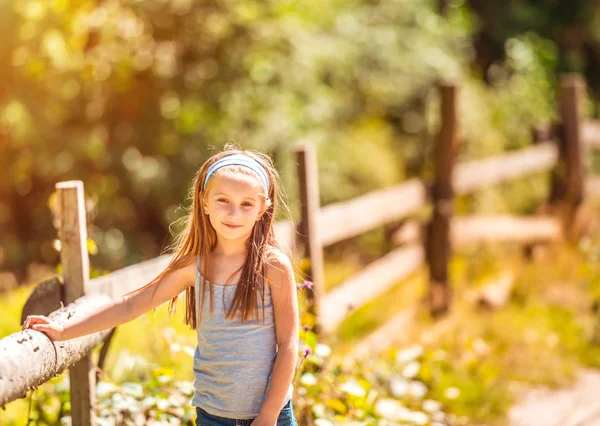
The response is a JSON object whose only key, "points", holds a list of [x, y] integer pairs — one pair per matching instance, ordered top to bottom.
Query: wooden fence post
{"points": [[568, 187], [308, 228], [437, 244], [75, 261]]}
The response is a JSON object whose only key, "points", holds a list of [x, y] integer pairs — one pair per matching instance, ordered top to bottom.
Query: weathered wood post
{"points": [[568, 187], [308, 228], [437, 244], [76, 272]]}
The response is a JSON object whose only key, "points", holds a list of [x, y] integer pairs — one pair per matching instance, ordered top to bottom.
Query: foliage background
{"points": [[132, 96]]}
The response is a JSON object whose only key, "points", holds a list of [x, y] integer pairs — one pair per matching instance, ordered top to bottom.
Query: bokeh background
{"points": [[132, 96]]}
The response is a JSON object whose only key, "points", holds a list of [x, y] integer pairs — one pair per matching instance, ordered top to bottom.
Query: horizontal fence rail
{"points": [[474, 175], [347, 219], [494, 229], [465, 230], [369, 283], [29, 358]]}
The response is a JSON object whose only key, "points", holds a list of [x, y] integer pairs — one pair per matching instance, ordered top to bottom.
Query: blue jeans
{"points": [[286, 418]]}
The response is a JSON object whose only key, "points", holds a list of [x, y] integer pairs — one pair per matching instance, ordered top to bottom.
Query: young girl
{"points": [[240, 296]]}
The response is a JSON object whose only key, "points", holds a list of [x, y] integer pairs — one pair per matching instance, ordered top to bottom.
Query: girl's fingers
{"points": [[34, 319], [38, 319]]}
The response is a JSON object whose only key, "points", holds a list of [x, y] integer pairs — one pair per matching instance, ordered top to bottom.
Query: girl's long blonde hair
{"points": [[199, 238]]}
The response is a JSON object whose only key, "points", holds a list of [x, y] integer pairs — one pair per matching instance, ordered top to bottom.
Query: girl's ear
{"points": [[263, 208]]}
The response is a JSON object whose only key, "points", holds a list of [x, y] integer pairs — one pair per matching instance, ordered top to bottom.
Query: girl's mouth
{"points": [[232, 226]]}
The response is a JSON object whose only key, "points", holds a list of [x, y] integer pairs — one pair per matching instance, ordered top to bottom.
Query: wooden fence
{"points": [[28, 359]]}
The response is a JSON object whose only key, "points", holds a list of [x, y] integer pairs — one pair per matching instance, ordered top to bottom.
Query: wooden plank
{"points": [[590, 133], [473, 175], [347, 219], [494, 229], [465, 230], [409, 232], [309, 233], [437, 240], [76, 272], [369, 283], [29, 358]]}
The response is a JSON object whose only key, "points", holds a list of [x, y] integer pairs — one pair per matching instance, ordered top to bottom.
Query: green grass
{"points": [[541, 337]]}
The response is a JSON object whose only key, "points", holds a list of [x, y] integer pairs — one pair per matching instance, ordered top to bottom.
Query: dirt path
{"points": [[577, 405]]}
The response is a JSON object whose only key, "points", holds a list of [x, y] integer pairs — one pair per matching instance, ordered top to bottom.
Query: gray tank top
{"points": [[234, 359]]}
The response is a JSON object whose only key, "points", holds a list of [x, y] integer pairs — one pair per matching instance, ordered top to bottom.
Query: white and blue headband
{"points": [[240, 160]]}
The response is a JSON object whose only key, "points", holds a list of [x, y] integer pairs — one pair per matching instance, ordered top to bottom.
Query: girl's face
{"points": [[234, 204]]}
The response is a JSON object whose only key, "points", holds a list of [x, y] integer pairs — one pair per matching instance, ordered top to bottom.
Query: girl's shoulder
{"points": [[275, 257], [190, 264], [278, 266]]}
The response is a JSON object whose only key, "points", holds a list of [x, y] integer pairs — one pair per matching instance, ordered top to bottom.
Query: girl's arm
{"points": [[285, 305], [119, 311]]}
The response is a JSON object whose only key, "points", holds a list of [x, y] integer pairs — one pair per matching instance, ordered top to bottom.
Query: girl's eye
{"points": [[245, 204]]}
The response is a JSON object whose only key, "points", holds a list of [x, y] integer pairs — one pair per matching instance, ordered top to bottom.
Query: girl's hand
{"points": [[53, 329], [262, 420]]}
